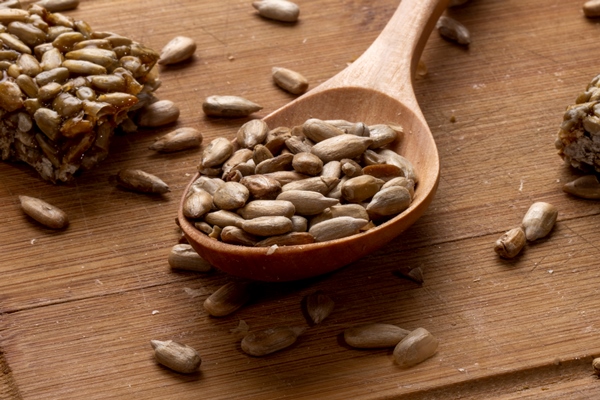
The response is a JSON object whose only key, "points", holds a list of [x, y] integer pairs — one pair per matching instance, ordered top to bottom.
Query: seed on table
{"points": [[58, 5], [591, 8], [278, 10], [451, 29], [179, 49], [289, 80], [229, 106], [159, 113], [252, 133], [178, 140], [339, 147], [217, 152], [140, 181], [262, 187], [586, 187], [360, 188], [231, 195], [389, 201], [307, 202], [197, 204], [264, 208], [44, 213], [223, 218], [539, 220], [267, 226], [237, 236], [288, 239], [511, 243], [183, 256], [228, 298], [318, 306], [374, 335], [270, 340], [415, 348], [176, 356]]}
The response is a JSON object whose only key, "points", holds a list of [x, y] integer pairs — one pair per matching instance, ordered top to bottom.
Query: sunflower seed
{"points": [[58, 5], [451, 29], [179, 49], [290, 81], [229, 106], [160, 113], [178, 140], [140, 181], [44, 213], [539, 220], [336, 228], [511, 243], [183, 256], [228, 298], [318, 306], [374, 335], [270, 340], [415, 348], [176, 356]]}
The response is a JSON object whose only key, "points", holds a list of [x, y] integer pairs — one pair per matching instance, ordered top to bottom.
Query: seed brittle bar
{"points": [[65, 89]]}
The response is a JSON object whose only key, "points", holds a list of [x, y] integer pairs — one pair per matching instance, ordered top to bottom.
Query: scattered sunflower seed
{"points": [[279, 10], [451, 29], [179, 49], [289, 80], [229, 106], [178, 140], [140, 181], [586, 187], [44, 213], [539, 220], [511, 243], [183, 256], [228, 298], [318, 306], [374, 335], [270, 340], [415, 348], [176, 356]]}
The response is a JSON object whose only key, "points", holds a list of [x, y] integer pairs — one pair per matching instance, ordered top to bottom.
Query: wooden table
{"points": [[79, 307]]}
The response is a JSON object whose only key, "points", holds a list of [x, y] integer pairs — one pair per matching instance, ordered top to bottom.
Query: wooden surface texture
{"points": [[79, 307]]}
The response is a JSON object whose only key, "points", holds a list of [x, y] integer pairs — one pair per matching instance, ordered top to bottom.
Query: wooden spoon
{"points": [[376, 88]]}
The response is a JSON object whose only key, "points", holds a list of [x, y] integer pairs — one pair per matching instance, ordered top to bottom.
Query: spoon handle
{"points": [[389, 64]]}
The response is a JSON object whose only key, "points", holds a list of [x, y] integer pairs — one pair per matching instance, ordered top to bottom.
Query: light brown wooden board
{"points": [[79, 307]]}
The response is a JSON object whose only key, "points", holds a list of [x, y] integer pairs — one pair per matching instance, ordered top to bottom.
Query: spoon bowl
{"points": [[376, 88]]}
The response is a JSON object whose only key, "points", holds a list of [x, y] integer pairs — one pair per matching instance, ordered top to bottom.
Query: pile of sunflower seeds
{"points": [[319, 181]]}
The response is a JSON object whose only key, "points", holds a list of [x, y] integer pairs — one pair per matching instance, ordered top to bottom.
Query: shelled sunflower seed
{"points": [[279, 10], [453, 30], [66, 89], [335, 179], [176, 356]]}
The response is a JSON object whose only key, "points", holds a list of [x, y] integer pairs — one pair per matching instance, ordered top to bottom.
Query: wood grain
{"points": [[79, 307]]}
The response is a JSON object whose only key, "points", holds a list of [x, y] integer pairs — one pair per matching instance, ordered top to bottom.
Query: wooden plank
{"points": [[78, 306]]}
